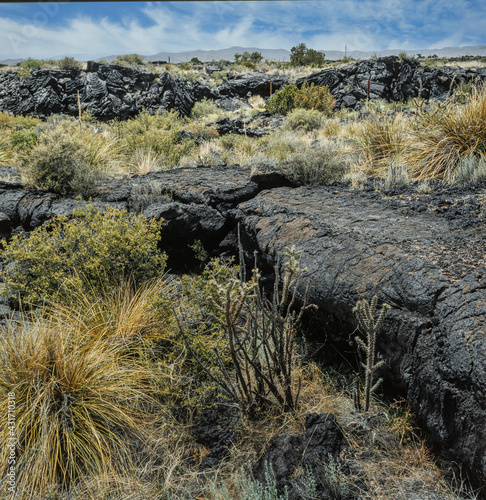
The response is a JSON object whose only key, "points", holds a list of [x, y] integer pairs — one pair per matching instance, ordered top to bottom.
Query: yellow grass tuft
{"points": [[451, 133]]}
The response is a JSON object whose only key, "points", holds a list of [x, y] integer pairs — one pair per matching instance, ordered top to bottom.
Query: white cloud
{"points": [[368, 25]]}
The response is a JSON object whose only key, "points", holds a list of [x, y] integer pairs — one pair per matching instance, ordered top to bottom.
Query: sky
{"points": [[90, 30]]}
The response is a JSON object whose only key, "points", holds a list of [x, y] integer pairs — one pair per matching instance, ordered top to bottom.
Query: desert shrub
{"points": [[129, 60], [69, 63], [25, 67], [307, 97], [315, 97], [283, 101], [205, 107], [304, 119], [13, 122], [452, 132], [379, 139], [23, 140], [279, 146], [56, 163], [321, 164], [471, 169], [396, 176], [104, 247], [203, 325], [81, 405], [244, 486]]}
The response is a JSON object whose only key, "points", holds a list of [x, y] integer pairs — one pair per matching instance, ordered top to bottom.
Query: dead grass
{"points": [[445, 136], [378, 140]]}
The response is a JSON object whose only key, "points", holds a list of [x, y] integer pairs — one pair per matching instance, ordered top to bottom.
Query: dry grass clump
{"points": [[443, 137], [378, 139], [68, 157], [144, 161], [80, 403]]}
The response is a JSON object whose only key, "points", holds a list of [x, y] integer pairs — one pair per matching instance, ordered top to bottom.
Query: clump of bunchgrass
{"points": [[442, 138], [378, 139], [144, 161], [80, 404]]}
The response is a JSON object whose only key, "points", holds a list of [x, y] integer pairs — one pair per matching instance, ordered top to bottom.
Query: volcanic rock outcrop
{"points": [[391, 79], [107, 91], [113, 91], [422, 254]]}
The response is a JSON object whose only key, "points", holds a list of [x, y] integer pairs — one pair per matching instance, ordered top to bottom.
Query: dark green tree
{"points": [[300, 55]]}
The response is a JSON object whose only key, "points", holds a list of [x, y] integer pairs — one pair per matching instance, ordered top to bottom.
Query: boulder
{"points": [[289, 454]]}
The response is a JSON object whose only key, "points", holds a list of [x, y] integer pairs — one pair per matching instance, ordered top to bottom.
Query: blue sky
{"points": [[96, 29]]}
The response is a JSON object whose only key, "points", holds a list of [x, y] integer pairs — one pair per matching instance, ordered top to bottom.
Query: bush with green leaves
{"points": [[300, 55], [129, 60], [69, 63], [26, 67], [307, 97], [315, 97], [283, 101], [205, 107], [61, 161], [99, 246]]}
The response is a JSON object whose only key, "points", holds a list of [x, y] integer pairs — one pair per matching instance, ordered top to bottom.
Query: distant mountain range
{"points": [[284, 55]]}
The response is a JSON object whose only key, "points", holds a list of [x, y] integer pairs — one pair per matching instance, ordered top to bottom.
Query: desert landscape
{"points": [[246, 279]]}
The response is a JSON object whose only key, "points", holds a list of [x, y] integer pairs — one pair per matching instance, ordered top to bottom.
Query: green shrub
{"points": [[129, 60], [69, 63], [26, 67], [307, 97], [315, 97], [283, 101], [205, 107], [304, 119], [12, 122], [23, 140], [57, 163], [321, 164], [102, 247]]}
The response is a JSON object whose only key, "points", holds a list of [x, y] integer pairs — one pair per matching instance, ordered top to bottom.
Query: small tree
{"points": [[300, 55]]}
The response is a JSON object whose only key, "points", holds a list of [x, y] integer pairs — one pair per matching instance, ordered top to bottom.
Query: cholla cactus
{"points": [[369, 322]]}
